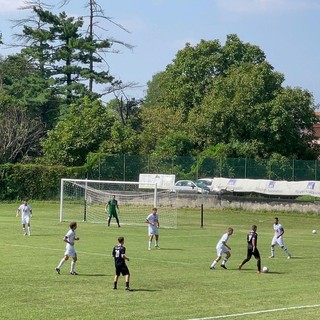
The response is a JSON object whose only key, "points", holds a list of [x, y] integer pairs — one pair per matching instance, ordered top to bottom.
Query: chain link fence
{"points": [[128, 168]]}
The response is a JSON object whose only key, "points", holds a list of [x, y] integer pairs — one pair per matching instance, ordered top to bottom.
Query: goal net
{"points": [[85, 200]]}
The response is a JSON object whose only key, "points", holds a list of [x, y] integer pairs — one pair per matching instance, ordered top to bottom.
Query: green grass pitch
{"points": [[174, 282]]}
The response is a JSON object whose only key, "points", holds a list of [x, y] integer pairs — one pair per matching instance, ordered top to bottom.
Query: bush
{"points": [[32, 181]]}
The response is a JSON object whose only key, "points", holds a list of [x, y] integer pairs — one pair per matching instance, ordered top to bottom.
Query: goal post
{"points": [[85, 200]]}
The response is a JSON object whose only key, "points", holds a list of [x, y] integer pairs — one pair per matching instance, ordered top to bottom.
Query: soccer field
{"points": [[174, 282]]}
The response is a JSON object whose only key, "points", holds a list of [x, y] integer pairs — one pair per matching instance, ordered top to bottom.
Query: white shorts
{"points": [[25, 220], [153, 231], [278, 241], [221, 250], [70, 252]]}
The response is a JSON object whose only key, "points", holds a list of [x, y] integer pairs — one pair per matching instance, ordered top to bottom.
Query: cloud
{"points": [[10, 5], [265, 6]]}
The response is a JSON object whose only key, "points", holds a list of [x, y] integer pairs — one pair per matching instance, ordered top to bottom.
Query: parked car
{"points": [[206, 181], [188, 186], [203, 186], [213, 188]]}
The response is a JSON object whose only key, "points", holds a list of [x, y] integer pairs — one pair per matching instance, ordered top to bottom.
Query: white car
{"points": [[207, 181], [188, 186], [213, 188]]}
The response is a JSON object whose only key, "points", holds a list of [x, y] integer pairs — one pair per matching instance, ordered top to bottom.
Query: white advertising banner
{"points": [[163, 181], [271, 187]]}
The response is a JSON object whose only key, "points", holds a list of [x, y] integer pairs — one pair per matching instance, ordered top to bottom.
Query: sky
{"points": [[286, 30]]}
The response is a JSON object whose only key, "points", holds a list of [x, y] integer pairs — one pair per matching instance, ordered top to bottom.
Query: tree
{"points": [[35, 36], [99, 44], [64, 52], [67, 52], [235, 52], [190, 76], [22, 79], [186, 82], [230, 97], [249, 106], [127, 109], [292, 119], [156, 123], [82, 130], [20, 133], [123, 140], [174, 144]]}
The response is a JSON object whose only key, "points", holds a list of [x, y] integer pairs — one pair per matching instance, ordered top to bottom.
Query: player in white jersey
{"points": [[26, 213], [153, 227], [69, 238], [278, 238], [221, 248]]}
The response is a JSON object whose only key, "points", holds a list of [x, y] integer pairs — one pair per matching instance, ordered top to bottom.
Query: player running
{"points": [[252, 241], [221, 248]]}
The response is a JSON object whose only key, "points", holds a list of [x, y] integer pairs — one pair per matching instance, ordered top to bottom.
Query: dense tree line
{"points": [[217, 100]]}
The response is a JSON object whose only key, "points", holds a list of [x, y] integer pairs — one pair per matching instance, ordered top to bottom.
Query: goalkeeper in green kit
{"points": [[113, 207]]}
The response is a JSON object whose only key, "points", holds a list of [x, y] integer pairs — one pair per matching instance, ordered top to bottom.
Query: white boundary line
{"points": [[256, 312], [205, 318]]}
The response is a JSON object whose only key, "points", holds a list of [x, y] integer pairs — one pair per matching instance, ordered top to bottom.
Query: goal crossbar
{"points": [[84, 199]]}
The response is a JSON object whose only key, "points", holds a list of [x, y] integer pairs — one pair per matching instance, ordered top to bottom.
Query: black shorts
{"points": [[256, 254], [122, 270]]}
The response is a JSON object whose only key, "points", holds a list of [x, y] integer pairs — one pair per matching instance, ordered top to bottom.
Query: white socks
{"points": [[61, 263], [72, 266]]}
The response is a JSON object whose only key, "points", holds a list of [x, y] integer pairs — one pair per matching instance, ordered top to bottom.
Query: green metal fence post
{"points": [[198, 165], [99, 166], [124, 167], [245, 168], [293, 170]]}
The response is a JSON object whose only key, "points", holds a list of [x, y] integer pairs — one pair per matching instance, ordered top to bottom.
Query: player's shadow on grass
{"points": [[41, 235], [173, 249], [255, 270], [273, 272], [94, 275], [146, 290]]}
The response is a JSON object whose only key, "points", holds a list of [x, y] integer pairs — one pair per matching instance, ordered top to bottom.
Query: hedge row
{"points": [[36, 182]]}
